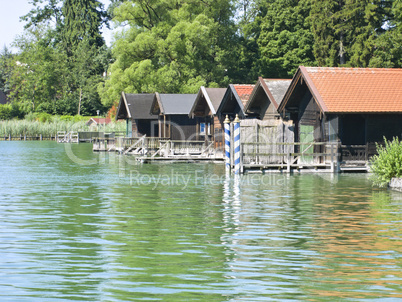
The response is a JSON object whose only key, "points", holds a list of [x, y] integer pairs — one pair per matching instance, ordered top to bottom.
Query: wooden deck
{"points": [[315, 157], [179, 159]]}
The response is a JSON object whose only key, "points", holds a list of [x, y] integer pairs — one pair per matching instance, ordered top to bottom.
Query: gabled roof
{"points": [[272, 90], [349, 90], [212, 96], [236, 96], [172, 104], [135, 106], [98, 121]]}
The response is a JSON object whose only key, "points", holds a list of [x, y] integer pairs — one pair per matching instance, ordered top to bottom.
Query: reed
{"points": [[50, 128]]}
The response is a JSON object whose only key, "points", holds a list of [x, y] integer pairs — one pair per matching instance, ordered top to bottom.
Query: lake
{"points": [[82, 226]]}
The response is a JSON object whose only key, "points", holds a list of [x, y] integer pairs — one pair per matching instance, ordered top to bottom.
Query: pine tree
{"points": [[82, 20], [345, 31], [284, 37]]}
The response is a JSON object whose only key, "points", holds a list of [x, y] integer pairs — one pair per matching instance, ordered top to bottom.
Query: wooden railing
{"points": [[149, 145], [314, 153], [350, 153]]}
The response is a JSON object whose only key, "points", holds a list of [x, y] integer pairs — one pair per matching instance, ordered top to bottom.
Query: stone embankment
{"points": [[396, 184]]}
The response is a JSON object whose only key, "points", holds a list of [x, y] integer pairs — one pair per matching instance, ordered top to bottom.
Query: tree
{"points": [[82, 21], [345, 31], [284, 37], [171, 47], [387, 48], [39, 69], [5, 70], [59, 72]]}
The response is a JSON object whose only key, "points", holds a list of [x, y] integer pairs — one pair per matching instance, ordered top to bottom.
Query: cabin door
{"points": [[129, 128], [306, 138]]}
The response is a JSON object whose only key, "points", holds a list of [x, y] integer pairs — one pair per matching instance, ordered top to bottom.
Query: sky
{"points": [[11, 27]]}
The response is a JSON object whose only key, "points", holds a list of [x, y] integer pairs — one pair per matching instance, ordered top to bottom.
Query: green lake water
{"points": [[79, 226]]}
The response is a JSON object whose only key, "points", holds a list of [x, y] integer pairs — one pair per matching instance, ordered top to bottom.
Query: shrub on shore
{"points": [[387, 164]]}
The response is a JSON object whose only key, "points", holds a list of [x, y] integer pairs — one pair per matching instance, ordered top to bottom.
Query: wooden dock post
{"points": [[332, 163]]}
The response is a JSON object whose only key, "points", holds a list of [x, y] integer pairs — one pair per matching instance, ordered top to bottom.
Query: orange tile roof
{"points": [[356, 89], [244, 92], [102, 120]]}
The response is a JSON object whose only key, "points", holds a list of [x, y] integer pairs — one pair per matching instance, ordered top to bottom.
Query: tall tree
{"points": [[82, 21], [345, 31], [284, 37], [171, 47], [387, 48], [6, 66], [39, 70]]}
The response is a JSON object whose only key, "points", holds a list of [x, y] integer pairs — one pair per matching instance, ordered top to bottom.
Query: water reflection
{"points": [[120, 231]]}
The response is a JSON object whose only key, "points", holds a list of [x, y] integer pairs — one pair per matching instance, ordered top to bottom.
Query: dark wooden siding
{"points": [[380, 125], [145, 127], [183, 128], [353, 129]]}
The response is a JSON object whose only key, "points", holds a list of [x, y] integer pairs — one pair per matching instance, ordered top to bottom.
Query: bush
{"points": [[5, 112], [43, 117], [388, 163]]}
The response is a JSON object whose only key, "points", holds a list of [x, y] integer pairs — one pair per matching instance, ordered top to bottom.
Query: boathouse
{"points": [[265, 98], [234, 99], [354, 107], [135, 109], [173, 111], [204, 111], [98, 121], [263, 128]]}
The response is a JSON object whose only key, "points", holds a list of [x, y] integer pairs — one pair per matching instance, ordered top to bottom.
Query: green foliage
{"points": [[82, 21], [346, 32], [284, 37], [176, 46], [171, 47], [6, 58], [57, 70], [10, 111], [5, 112], [388, 163]]}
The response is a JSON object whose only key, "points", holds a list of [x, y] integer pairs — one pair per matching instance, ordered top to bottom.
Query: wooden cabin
{"points": [[265, 98], [234, 99], [356, 107], [135, 109], [173, 111], [204, 111], [98, 121], [263, 128]]}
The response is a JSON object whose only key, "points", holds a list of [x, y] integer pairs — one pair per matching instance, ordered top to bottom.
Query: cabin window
{"points": [[205, 128]]}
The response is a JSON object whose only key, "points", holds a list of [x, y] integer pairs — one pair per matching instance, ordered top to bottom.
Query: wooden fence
{"points": [[21, 137], [151, 145], [289, 155]]}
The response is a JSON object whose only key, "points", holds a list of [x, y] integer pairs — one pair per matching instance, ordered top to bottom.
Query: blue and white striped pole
{"points": [[226, 123], [236, 145]]}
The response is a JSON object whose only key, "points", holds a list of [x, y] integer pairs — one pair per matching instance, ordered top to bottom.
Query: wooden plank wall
{"points": [[266, 134]]}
